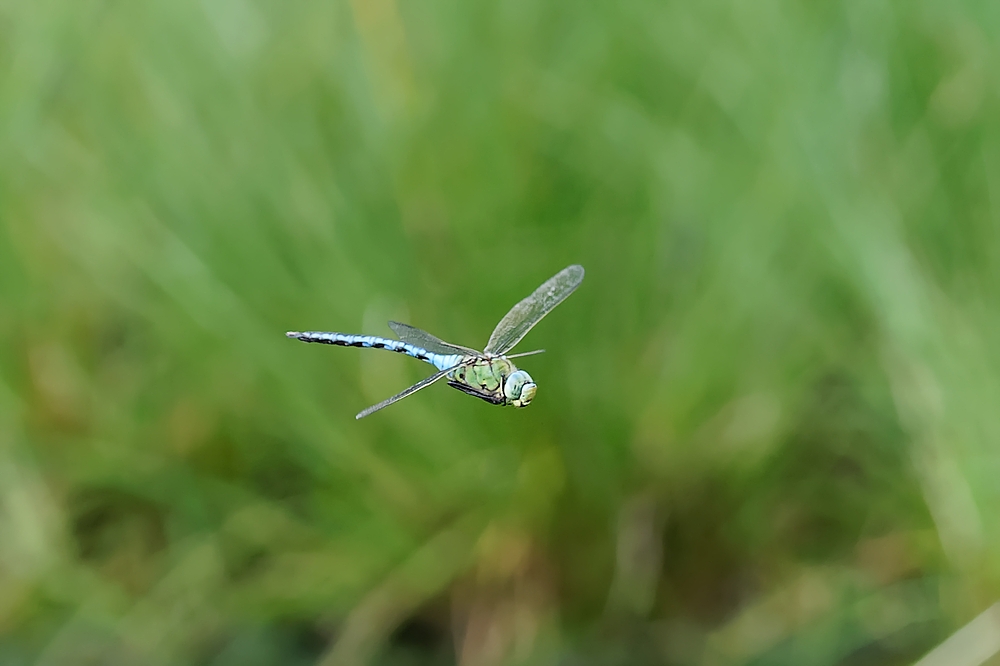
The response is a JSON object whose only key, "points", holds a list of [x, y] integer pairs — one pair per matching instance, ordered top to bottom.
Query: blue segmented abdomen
{"points": [[439, 361]]}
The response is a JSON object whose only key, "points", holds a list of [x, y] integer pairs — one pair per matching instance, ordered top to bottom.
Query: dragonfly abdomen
{"points": [[440, 361]]}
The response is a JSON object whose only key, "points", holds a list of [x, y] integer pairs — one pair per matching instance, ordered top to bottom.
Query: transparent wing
{"points": [[516, 323], [425, 340], [423, 383]]}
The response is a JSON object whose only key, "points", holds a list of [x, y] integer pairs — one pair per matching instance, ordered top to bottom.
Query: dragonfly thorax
{"points": [[494, 379]]}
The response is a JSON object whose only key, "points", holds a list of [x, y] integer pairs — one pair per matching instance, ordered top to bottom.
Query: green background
{"points": [[766, 429]]}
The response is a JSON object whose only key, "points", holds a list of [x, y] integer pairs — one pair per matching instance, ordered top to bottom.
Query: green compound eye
{"points": [[519, 389]]}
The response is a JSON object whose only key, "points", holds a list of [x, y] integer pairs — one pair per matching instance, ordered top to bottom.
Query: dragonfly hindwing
{"points": [[433, 344]]}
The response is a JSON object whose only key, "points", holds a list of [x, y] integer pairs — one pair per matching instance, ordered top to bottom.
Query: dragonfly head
{"points": [[519, 389]]}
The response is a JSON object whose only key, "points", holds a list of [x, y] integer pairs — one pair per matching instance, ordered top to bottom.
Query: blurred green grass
{"points": [[766, 424]]}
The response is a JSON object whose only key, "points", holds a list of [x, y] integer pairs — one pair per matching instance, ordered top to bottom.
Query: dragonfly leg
{"points": [[488, 397]]}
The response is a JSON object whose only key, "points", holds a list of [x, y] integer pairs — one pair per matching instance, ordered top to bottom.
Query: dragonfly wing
{"points": [[523, 316], [423, 339], [423, 383]]}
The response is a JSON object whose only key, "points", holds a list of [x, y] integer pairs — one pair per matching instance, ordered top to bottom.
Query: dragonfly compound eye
{"points": [[519, 389]]}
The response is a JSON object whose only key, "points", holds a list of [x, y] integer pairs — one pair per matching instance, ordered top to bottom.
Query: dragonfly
{"points": [[488, 374]]}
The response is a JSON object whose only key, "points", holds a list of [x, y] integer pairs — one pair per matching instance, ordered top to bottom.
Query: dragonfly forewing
{"points": [[523, 316]]}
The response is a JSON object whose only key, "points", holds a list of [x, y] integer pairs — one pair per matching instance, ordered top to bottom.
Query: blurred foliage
{"points": [[765, 431]]}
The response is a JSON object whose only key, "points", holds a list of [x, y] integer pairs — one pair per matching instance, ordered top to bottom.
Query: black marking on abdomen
{"points": [[390, 345]]}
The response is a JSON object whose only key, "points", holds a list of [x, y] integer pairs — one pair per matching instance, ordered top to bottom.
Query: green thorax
{"points": [[494, 379]]}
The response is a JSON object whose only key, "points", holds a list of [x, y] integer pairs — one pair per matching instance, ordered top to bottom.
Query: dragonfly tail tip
{"points": [[292, 334]]}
